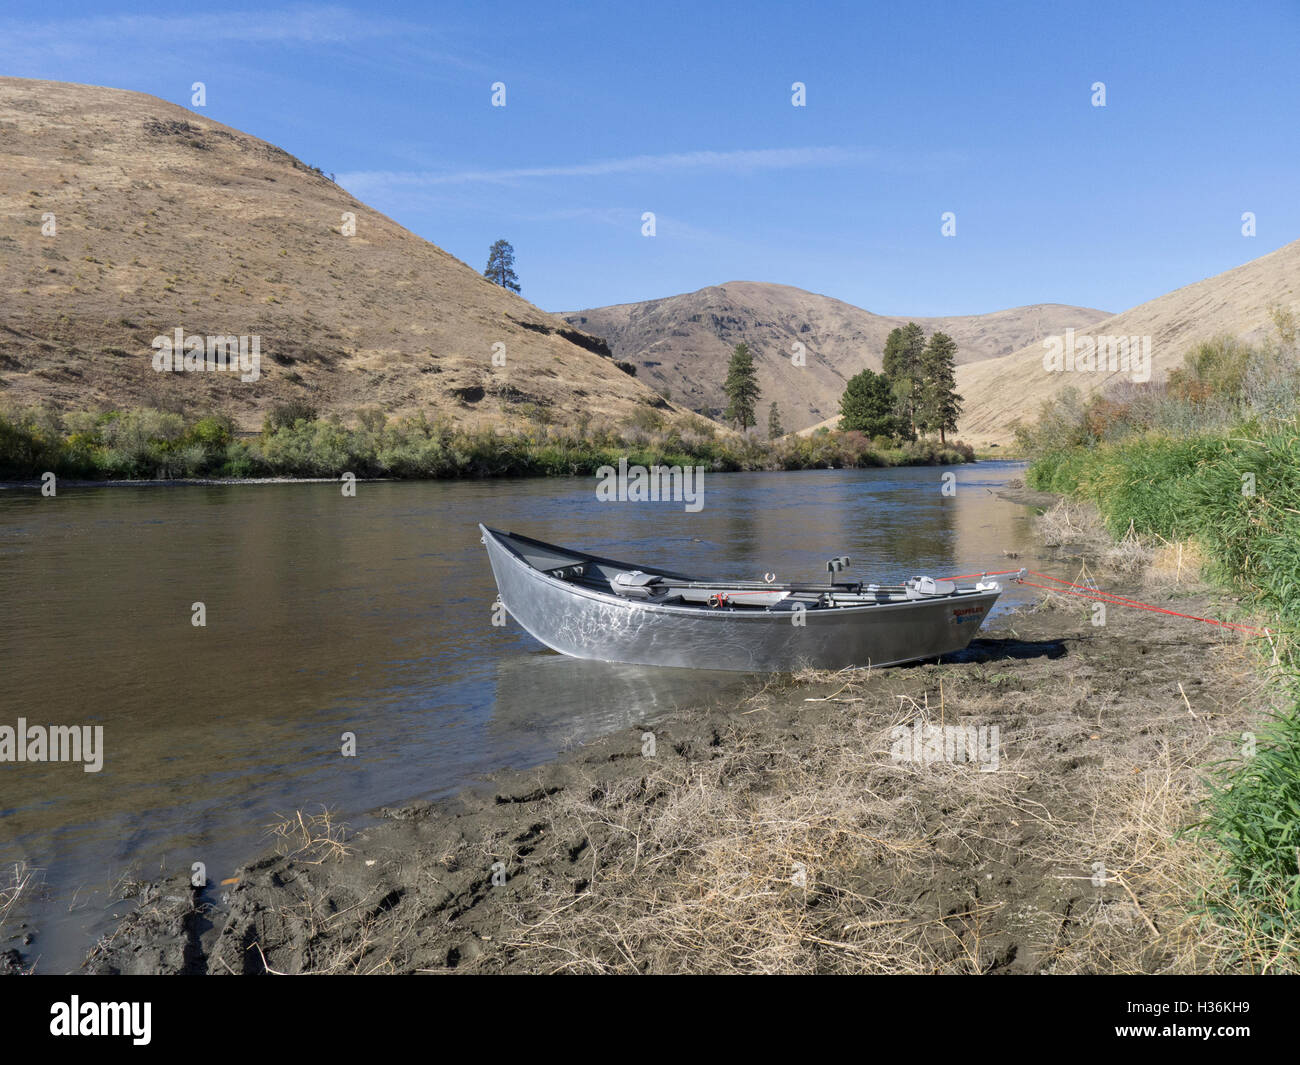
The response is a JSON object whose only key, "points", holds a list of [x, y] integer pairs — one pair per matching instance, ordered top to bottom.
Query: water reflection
{"points": [[558, 702]]}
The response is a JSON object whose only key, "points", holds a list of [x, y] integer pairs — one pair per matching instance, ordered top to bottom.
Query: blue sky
{"points": [[685, 110]]}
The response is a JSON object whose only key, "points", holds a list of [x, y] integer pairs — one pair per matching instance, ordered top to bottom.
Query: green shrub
{"points": [[288, 414]]}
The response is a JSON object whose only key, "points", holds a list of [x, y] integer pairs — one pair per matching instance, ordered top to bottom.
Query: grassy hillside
{"points": [[124, 217], [1000, 392]]}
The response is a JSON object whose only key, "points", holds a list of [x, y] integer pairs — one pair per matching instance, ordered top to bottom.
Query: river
{"points": [[327, 614]]}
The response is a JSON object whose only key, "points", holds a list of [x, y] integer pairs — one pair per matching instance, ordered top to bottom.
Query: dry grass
{"points": [[1069, 522], [1074, 525], [1177, 566], [310, 838], [754, 854], [839, 858], [760, 860], [1142, 874], [19, 881]]}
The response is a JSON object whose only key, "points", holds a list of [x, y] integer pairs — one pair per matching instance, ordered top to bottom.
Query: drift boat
{"points": [[591, 607]]}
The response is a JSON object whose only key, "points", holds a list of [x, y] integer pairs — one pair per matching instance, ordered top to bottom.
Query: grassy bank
{"points": [[294, 442], [1214, 459]]}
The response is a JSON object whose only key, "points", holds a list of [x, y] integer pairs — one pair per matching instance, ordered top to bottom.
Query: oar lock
{"points": [[840, 562]]}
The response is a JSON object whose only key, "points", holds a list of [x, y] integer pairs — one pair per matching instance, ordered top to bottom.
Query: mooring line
{"points": [[1083, 592]]}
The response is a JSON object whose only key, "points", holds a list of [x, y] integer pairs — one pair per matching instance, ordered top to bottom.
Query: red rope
{"points": [[972, 576], [1073, 588]]}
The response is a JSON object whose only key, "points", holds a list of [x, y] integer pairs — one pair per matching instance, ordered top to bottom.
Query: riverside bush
{"points": [[294, 442]]}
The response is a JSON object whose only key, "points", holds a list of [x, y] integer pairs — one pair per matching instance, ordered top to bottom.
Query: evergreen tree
{"points": [[500, 269], [890, 365], [902, 367], [741, 388], [939, 404], [867, 405], [774, 422]]}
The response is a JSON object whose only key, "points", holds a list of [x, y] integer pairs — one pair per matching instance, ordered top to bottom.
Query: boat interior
{"points": [[662, 587]]}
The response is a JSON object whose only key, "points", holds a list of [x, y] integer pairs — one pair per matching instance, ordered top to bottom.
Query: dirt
{"points": [[1015, 491], [783, 834]]}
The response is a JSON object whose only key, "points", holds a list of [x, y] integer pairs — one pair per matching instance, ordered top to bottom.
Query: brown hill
{"points": [[166, 219], [1237, 302], [681, 344]]}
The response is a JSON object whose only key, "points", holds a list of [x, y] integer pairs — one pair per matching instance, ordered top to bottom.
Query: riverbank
{"points": [[297, 444], [1228, 494], [787, 835]]}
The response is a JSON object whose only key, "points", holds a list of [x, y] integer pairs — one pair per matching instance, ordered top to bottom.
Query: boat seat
{"points": [[567, 573], [634, 584], [928, 587]]}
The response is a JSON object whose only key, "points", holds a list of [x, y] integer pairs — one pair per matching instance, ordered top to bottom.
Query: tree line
{"points": [[914, 394]]}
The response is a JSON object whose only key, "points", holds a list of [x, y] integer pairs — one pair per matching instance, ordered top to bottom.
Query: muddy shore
{"points": [[800, 831]]}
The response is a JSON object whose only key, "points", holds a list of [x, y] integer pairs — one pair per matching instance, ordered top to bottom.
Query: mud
{"points": [[567, 867]]}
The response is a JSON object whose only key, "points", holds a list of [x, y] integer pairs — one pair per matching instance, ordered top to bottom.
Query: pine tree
{"points": [[500, 269], [890, 365], [902, 366], [741, 388], [867, 405], [940, 405], [774, 422]]}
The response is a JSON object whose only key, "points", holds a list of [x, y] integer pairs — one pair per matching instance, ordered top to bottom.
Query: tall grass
{"points": [[1215, 458], [1237, 493], [1253, 816]]}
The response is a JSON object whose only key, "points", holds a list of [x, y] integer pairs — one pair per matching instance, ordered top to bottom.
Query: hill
{"points": [[163, 219], [1237, 302], [681, 344]]}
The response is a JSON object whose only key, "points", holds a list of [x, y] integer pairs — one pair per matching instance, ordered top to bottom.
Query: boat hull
{"points": [[586, 624]]}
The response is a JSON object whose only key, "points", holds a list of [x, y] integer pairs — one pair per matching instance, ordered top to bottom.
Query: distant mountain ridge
{"points": [[681, 343]]}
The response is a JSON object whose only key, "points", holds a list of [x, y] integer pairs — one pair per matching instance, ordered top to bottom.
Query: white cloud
{"points": [[370, 181]]}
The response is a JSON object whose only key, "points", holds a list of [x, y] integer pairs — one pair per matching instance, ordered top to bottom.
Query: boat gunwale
{"points": [[757, 614]]}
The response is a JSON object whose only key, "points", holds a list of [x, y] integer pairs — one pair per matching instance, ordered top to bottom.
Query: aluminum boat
{"points": [[587, 606]]}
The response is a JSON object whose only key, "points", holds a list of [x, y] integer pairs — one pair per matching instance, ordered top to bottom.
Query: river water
{"points": [[327, 614]]}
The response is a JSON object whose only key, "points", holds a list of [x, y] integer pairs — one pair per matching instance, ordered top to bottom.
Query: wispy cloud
{"points": [[305, 24], [746, 160], [627, 219]]}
